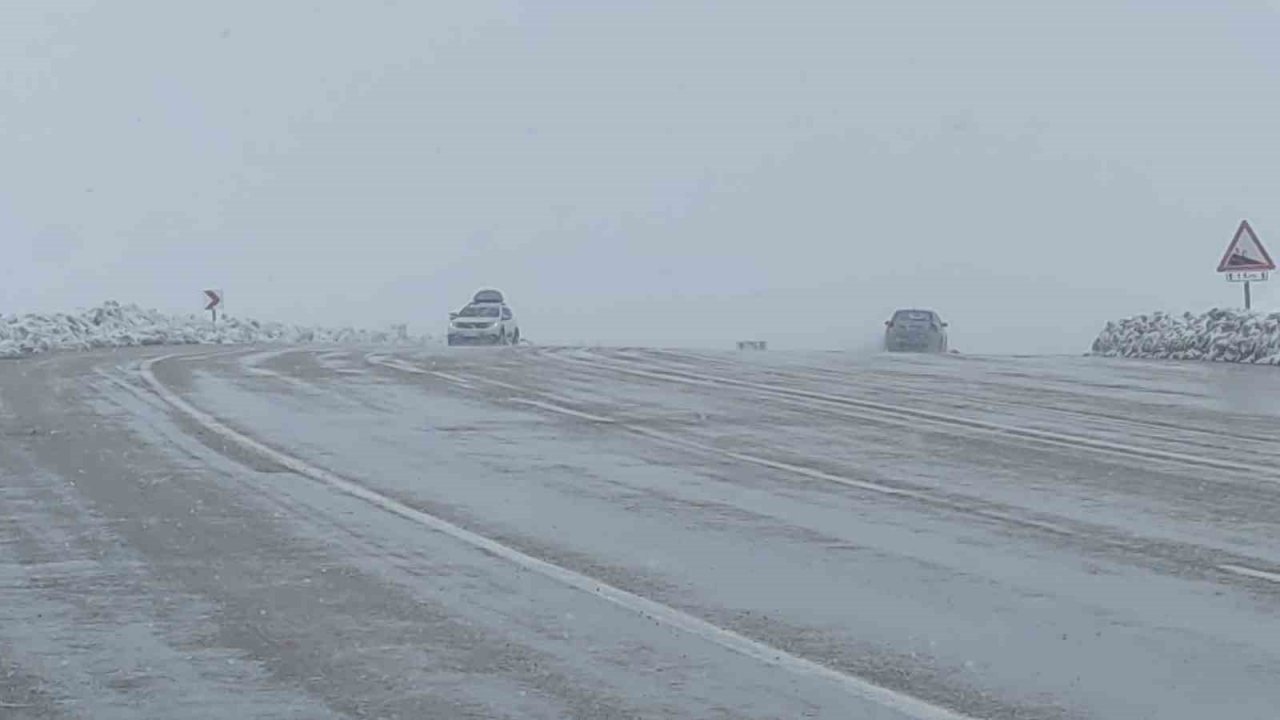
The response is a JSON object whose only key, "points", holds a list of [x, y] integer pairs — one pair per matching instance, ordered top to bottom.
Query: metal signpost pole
{"points": [[215, 299]]}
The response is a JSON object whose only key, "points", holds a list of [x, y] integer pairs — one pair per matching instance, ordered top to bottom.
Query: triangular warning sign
{"points": [[1245, 252]]}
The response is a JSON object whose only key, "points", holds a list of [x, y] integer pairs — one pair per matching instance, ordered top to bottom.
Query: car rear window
{"points": [[913, 315]]}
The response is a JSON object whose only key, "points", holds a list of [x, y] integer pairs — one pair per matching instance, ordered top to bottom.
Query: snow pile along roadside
{"points": [[114, 325], [1218, 335]]}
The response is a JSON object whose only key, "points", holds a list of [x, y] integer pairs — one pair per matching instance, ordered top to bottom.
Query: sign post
{"points": [[1246, 260], [215, 299]]}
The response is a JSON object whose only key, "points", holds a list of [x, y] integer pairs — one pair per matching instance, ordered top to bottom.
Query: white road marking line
{"points": [[204, 355], [252, 359], [249, 364], [394, 364], [401, 365], [451, 378], [490, 381], [563, 410], [778, 465], [1250, 572], [644, 607]]}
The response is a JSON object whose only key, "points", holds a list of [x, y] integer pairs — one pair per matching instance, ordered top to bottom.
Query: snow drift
{"points": [[113, 325], [1218, 335]]}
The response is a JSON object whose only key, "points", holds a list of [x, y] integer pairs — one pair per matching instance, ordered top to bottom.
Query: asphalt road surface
{"points": [[569, 533]]}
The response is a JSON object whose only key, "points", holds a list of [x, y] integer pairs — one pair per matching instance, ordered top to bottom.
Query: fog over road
{"points": [[546, 532]]}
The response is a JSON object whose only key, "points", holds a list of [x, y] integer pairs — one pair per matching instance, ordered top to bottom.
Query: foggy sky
{"points": [[662, 173]]}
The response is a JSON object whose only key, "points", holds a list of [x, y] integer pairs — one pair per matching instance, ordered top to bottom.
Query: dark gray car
{"points": [[915, 331]]}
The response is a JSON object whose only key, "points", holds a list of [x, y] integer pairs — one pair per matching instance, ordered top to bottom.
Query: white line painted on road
{"points": [[202, 355], [253, 359], [250, 364], [394, 364], [401, 365], [278, 377], [451, 378], [491, 381], [563, 410], [777, 464], [1250, 572], [911, 706]]}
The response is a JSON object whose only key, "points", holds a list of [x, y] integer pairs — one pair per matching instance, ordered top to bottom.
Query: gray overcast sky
{"points": [[676, 172]]}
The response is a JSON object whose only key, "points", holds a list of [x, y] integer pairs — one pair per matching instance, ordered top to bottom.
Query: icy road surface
{"points": [[567, 533]]}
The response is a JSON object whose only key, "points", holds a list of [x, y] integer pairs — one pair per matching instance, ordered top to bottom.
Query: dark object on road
{"points": [[915, 331]]}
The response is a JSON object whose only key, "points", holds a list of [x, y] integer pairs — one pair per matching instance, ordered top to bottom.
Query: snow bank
{"points": [[114, 325], [1218, 335]]}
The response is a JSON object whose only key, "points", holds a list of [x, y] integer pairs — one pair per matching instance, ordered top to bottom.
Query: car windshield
{"points": [[489, 311], [917, 315]]}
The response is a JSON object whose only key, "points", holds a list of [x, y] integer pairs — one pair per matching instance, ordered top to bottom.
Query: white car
{"points": [[486, 320]]}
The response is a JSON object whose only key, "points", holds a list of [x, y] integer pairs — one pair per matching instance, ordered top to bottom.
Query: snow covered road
{"points": [[559, 532]]}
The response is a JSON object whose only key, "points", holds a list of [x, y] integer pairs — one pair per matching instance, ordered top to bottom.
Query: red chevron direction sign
{"points": [[1245, 252], [215, 299]]}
